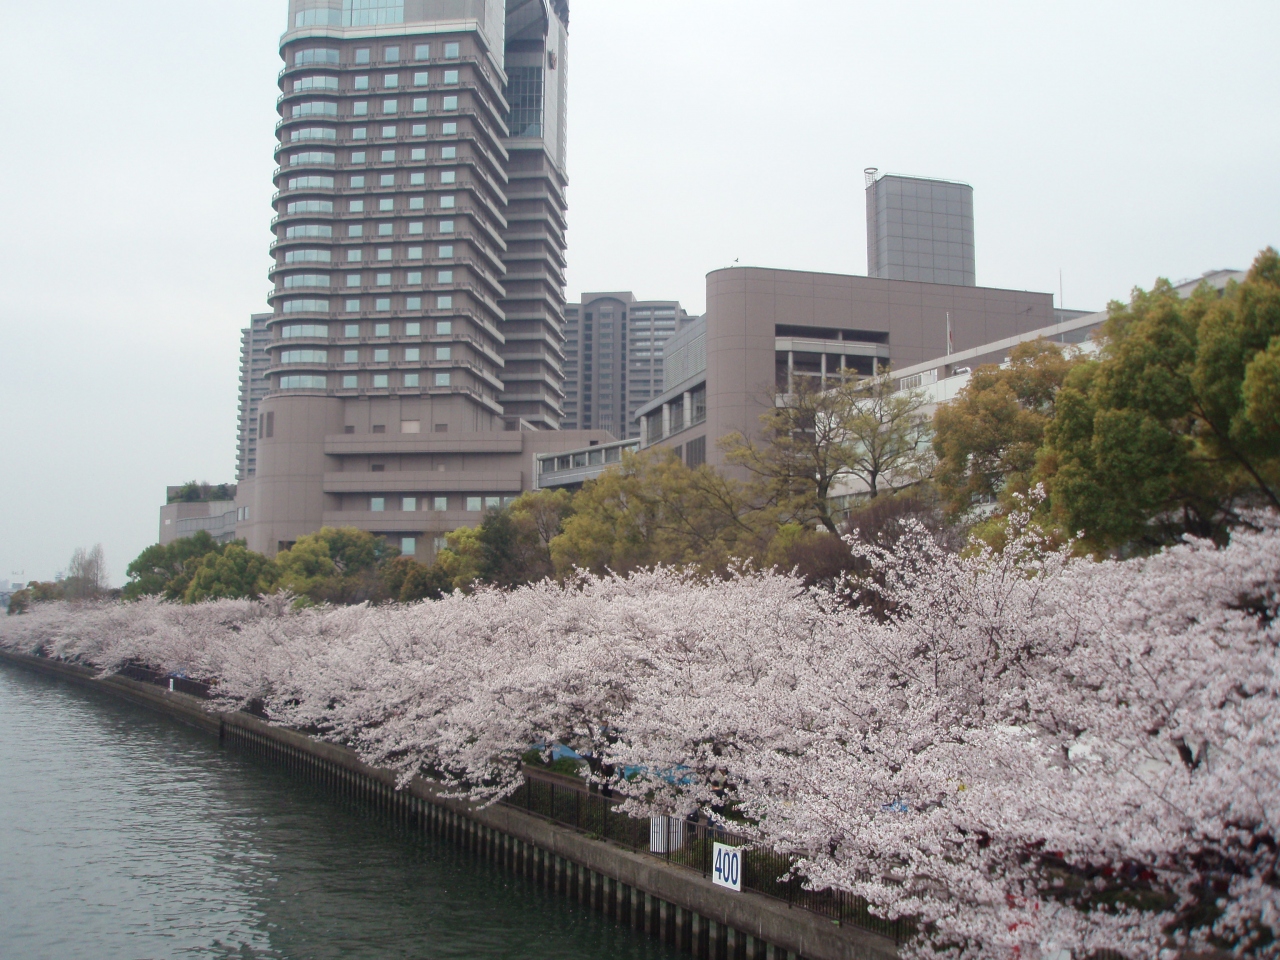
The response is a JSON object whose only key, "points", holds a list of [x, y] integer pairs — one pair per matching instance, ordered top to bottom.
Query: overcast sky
{"points": [[1112, 141]]}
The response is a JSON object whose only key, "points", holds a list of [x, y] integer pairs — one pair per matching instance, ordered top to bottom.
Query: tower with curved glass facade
{"points": [[419, 251]]}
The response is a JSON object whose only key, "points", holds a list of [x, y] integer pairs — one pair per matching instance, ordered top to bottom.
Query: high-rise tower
{"points": [[919, 229], [419, 247]]}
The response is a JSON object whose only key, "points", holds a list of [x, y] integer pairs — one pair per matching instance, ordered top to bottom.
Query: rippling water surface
{"points": [[124, 834]]}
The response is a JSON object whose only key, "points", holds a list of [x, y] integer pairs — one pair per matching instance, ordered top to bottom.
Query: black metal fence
{"points": [[194, 688], [691, 844]]}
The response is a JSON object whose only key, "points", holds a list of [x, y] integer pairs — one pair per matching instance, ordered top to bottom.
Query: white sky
{"points": [[1114, 141]]}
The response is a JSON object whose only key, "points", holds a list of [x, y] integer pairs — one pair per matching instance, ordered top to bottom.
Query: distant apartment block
{"points": [[919, 229], [614, 348], [255, 360]]}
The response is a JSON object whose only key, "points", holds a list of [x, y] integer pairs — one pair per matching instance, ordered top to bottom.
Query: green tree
{"points": [[1171, 430], [817, 437], [987, 439], [652, 509], [336, 565], [162, 568], [235, 573]]}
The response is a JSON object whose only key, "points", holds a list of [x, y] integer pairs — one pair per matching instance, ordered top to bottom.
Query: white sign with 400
{"points": [[727, 867]]}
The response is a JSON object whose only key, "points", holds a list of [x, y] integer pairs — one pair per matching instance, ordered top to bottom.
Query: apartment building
{"points": [[415, 342], [614, 348], [254, 382]]}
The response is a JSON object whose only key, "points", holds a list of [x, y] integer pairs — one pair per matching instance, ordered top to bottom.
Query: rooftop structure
{"points": [[919, 229]]}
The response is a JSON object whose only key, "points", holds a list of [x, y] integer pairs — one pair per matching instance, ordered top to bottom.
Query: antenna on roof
{"points": [[870, 174]]}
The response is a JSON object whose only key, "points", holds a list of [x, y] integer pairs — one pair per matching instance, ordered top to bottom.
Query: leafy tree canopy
{"points": [[1173, 429], [987, 439], [235, 573]]}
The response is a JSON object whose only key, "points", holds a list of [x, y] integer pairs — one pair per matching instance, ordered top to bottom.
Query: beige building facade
{"points": [[764, 328], [415, 342]]}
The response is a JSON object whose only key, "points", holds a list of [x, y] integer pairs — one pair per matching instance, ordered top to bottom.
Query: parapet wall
{"points": [[677, 906]]}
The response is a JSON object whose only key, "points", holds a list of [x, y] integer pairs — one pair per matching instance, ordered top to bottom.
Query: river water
{"points": [[125, 835]]}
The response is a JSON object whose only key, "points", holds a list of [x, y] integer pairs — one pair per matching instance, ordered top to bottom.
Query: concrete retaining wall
{"points": [[676, 905]]}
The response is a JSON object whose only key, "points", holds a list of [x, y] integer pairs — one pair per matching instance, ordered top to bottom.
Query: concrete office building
{"points": [[919, 229], [766, 328], [415, 351], [614, 358], [255, 360]]}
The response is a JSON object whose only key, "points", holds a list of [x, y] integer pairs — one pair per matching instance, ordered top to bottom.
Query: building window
{"points": [[422, 51], [452, 51], [392, 54], [316, 55], [362, 55], [451, 76], [421, 78], [391, 80], [361, 83], [526, 96], [450, 103], [419, 105], [390, 106], [360, 108], [449, 129], [313, 133], [359, 133], [388, 133], [418, 153], [448, 153], [388, 156], [448, 176], [387, 180], [311, 183], [447, 202], [386, 205], [311, 206], [357, 206], [446, 226], [415, 228], [385, 229], [308, 230], [355, 230], [446, 252], [355, 256], [444, 276], [413, 277], [383, 279], [353, 280], [413, 303], [444, 303], [382, 305], [306, 306], [353, 306], [444, 327], [382, 329], [413, 329], [304, 330], [352, 330], [444, 353], [382, 355], [412, 355], [304, 356], [350, 356], [410, 379], [442, 379], [381, 381], [349, 382], [302, 383], [267, 425], [695, 453], [493, 503], [377, 504], [408, 504], [440, 504], [475, 504], [408, 546]]}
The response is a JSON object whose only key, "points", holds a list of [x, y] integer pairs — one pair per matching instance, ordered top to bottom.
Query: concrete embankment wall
{"points": [[676, 905]]}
